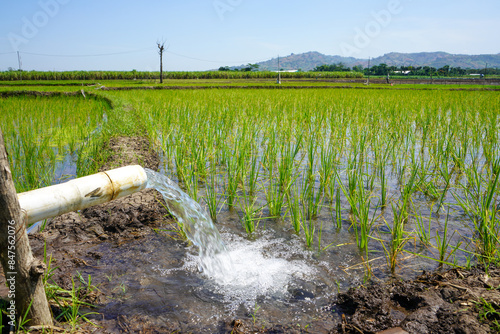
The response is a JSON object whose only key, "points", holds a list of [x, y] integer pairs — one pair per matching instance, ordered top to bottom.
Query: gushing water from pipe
{"points": [[215, 261]]}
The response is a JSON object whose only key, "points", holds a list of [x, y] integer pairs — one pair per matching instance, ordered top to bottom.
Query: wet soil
{"points": [[130, 151], [103, 241], [432, 303]]}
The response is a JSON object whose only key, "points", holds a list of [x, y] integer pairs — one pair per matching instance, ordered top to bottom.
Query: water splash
{"points": [[215, 261], [270, 266]]}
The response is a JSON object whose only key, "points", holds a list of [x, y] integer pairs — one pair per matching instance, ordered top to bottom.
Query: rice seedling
{"points": [[40, 131], [287, 149], [191, 182], [231, 185], [275, 195], [334, 195], [212, 197], [479, 204], [295, 208], [338, 209], [252, 213], [361, 222], [309, 227], [423, 231], [398, 238], [443, 243]]}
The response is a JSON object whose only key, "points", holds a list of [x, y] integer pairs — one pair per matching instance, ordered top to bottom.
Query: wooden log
{"points": [[23, 272]]}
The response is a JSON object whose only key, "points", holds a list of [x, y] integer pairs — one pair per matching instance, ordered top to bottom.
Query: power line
{"points": [[133, 51], [7, 53], [82, 56], [215, 61]]}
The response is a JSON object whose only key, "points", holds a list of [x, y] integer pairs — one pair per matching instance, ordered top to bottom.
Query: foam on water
{"points": [[264, 267], [268, 267], [244, 269]]}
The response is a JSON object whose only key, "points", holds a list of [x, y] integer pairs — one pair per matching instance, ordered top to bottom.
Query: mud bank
{"points": [[109, 241], [432, 303]]}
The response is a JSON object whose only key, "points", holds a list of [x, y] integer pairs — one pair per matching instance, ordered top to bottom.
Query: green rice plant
{"points": [[40, 132], [415, 139], [327, 164], [253, 174], [447, 178], [191, 183], [231, 185], [410, 186], [383, 187], [334, 194], [275, 196], [212, 197], [313, 197], [481, 207], [295, 208], [338, 209], [252, 213], [361, 222], [309, 227], [423, 232], [398, 240], [443, 243], [70, 307]]}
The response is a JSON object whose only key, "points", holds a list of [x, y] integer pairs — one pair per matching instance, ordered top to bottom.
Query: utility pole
{"points": [[161, 48], [279, 72], [368, 81], [23, 272]]}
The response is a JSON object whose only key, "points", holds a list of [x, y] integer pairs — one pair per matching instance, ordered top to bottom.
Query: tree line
{"points": [[384, 69]]}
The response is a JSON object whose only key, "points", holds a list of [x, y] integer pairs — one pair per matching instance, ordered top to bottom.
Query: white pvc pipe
{"points": [[82, 193]]}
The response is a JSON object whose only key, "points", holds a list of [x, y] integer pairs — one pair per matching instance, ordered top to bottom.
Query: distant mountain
{"points": [[438, 59], [309, 60], [304, 61]]}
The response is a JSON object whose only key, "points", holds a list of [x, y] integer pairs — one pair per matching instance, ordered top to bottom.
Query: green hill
{"points": [[309, 60]]}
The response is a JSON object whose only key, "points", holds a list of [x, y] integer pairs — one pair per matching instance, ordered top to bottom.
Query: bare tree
{"points": [[161, 48], [23, 272]]}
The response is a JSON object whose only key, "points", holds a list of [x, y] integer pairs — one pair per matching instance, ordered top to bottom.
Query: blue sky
{"points": [[205, 34]]}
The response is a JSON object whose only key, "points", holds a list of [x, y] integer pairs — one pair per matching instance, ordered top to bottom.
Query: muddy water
{"points": [[256, 277], [273, 278], [153, 280], [275, 281]]}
